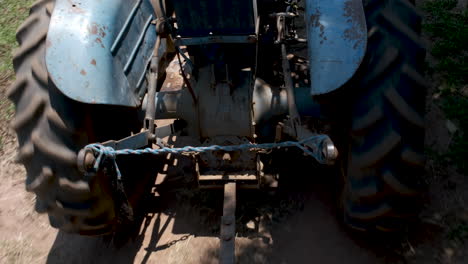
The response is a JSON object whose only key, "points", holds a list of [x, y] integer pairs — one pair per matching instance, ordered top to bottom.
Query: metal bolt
{"points": [[330, 151], [85, 160], [89, 160]]}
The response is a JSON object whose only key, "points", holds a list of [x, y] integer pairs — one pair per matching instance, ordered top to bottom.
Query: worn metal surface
{"points": [[215, 17], [337, 39], [180, 41], [98, 51], [288, 83], [174, 100], [268, 101], [229, 104], [306, 106], [225, 108], [150, 110], [140, 140], [136, 141], [323, 147], [238, 161], [214, 168], [244, 180], [227, 252]]}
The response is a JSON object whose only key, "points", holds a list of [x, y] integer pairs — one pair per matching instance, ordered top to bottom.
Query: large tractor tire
{"points": [[52, 128], [382, 183]]}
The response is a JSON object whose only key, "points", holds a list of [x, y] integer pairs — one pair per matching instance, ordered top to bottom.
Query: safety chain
{"points": [[108, 152]]}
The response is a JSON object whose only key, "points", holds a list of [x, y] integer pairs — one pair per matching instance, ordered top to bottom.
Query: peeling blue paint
{"points": [[337, 40], [79, 42]]}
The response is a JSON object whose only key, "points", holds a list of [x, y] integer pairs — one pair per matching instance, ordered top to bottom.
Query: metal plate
{"points": [[200, 18], [337, 39], [98, 51], [227, 254]]}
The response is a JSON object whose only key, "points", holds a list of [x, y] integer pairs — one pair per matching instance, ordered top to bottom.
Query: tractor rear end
{"points": [[234, 82]]}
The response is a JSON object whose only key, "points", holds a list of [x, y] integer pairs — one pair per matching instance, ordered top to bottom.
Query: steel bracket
{"points": [[228, 225]]}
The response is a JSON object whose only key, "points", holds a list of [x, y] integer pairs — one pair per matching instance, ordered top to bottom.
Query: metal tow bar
{"points": [[98, 156], [227, 254]]}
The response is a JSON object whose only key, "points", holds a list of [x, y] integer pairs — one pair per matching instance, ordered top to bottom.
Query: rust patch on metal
{"points": [[353, 13], [315, 18], [315, 22], [93, 29], [96, 29], [357, 32], [99, 41], [93, 62], [83, 72]]}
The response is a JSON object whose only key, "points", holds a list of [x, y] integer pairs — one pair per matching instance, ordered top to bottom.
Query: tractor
{"points": [[103, 85]]}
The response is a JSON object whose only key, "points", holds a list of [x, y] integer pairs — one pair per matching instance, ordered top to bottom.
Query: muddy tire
{"points": [[51, 129], [382, 185]]}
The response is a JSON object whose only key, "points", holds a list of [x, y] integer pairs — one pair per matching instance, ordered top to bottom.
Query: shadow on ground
{"points": [[179, 224]]}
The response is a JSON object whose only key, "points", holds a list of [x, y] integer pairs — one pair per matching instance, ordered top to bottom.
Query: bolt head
{"points": [[330, 151], [85, 160]]}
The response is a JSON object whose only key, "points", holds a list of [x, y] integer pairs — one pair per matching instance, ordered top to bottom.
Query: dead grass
{"points": [[6, 110], [18, 248], [18, 251]]}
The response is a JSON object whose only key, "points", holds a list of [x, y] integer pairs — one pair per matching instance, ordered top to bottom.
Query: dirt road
{"points": [[298, 225], [304, 228]]}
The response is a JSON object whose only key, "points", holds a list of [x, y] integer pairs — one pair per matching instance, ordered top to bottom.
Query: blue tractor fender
{"points": [[337, 41], [98, 51]]}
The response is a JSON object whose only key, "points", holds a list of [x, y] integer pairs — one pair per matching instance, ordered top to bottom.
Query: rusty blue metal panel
{"points": [[337, 40], [98, 51]]}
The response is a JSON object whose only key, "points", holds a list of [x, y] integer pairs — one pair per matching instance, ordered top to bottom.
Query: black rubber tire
{"points": [[52, 128], [382, 186]]}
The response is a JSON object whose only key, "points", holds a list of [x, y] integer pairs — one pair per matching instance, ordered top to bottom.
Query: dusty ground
{"points": [[299, 226]]}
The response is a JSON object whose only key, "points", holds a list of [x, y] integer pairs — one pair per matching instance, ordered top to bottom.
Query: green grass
{"points": [[12, 13], [448, 30]]}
